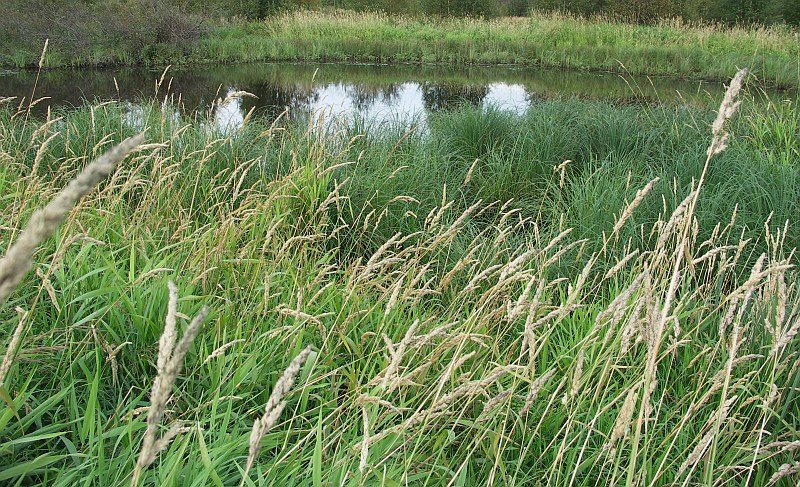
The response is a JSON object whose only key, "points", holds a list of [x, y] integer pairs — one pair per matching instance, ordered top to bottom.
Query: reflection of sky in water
{"points": [[373, 94], [507, 97], [338, 101], [343, 101], [404, 102], [228, 113], [135, 114]]}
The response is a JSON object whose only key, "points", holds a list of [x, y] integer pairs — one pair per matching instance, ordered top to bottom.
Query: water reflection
{"points": [[377, 93], [228, 114]]}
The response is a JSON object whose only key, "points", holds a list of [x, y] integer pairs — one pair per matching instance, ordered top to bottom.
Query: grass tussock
{"points": [[602, 313]]}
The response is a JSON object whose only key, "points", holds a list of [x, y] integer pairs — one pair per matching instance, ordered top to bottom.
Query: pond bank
{"points": [[669, 49]]}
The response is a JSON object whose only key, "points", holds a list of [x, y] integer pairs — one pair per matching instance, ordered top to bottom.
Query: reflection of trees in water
{"points": [[279, 86], [70, 88], [196, 90], [364, 95], [441, 96], [533, 97], [274, 98]]}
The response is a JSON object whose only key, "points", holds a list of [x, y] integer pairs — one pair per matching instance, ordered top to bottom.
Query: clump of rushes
{"points": [[168, 366]]}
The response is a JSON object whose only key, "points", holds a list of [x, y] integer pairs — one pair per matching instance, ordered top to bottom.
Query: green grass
{"points": [[549, 40], [672, 48], [267, 221]]}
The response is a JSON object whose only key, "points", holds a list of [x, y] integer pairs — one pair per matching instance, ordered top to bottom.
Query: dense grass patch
{"points": [[479, 309]]}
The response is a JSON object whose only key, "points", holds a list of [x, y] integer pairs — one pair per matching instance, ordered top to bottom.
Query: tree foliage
{"points": [[729, 11]]}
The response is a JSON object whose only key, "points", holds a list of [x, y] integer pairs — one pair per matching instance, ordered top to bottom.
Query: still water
{"points": [[375, 92]]}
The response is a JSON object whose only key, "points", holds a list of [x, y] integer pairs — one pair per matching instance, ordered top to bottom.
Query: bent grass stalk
{"points": [[169, 364], [273, 409]]}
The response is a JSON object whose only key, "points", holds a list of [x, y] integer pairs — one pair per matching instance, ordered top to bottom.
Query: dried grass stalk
{"points": [[727, 110], [637, 200], [19, 257], [16, 337], [221, 350], [169, 364], [390, 375], [536, 387], [442, 405], [273, 408], [622, 425], [700, 449], [362, 464], [786, 470]]}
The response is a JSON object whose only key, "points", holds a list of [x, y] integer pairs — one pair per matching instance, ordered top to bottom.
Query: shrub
{"points": [[141, 23], [68, 24], [78, 27]]}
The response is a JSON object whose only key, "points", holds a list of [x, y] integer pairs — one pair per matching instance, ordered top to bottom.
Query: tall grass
{"points": [[569, 322]]}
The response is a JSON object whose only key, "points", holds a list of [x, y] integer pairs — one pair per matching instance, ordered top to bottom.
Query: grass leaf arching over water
{"points": [[599, 326]]}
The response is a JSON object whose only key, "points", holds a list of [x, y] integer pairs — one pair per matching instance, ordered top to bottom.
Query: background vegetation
{"points": [[643, 11], [730, 11], [98, 32], [551, 40], [669, 48]]}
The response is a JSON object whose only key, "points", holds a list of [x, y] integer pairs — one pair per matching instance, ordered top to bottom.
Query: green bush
{"points": [[142, 23], [70, 24], [153, 29]]}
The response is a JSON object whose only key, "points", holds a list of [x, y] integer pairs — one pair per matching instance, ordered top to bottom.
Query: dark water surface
{"points": [[376, 92]]}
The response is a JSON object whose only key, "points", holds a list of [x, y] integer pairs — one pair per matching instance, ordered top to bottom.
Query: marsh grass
{"points": [[606, 330]]}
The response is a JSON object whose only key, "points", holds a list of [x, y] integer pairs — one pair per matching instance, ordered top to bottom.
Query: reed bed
{"points": [[357, 336]]}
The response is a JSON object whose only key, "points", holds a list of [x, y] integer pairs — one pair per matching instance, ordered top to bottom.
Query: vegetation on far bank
{"points": [[668, 48], [501, 298]]}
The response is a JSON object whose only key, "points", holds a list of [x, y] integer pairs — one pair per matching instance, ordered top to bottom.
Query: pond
{"points": [[375, 92]]}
